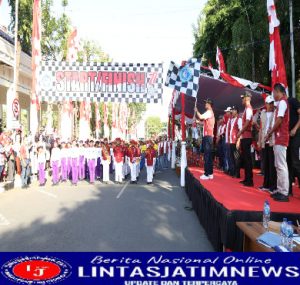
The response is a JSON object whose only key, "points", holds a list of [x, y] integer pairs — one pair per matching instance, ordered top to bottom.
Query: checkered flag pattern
{"points": [[184, 79], [101, 82]]}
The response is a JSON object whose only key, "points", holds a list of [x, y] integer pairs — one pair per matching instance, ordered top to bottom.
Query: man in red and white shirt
{"points": [[235, 126], [281, 132], [208, 133], [246, 139]]}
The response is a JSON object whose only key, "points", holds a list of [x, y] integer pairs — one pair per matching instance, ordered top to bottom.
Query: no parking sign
{"points": [[16, 108]]}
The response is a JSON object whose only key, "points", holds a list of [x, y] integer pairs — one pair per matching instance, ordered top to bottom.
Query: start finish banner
{"points": [[105, 82]]}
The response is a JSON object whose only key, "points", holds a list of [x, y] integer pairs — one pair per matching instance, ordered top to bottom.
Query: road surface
{"points": [[101, 218]]}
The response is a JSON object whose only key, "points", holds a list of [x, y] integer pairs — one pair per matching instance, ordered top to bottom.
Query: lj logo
{"points": [[36, 270]]}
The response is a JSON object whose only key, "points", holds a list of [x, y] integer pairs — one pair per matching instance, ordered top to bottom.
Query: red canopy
{"points": [[224, 92]]}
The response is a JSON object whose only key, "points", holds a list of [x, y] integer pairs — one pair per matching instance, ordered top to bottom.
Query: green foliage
{"points": [[228, 24], [55, 31], [92, 51], [138, 110], [153, 126]]}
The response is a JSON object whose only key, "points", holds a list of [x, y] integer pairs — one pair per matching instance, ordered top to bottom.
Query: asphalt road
{"points": [[101, 218]]}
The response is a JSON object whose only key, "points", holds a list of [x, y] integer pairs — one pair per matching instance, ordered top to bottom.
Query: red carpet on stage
{"points": [[234, 196]]}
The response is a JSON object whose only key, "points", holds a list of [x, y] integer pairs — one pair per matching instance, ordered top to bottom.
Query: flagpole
{"points": [[16, 47], [292, 49]]}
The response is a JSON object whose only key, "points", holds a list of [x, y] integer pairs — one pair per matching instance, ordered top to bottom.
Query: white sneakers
{"points": [[205, 177]]}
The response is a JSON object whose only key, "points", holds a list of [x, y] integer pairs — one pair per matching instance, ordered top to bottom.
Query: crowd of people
{"points": [[272, 133], [92, 160]]}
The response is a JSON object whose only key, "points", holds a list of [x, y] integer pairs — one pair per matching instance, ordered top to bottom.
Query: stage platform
{"points": [[223, 201]]}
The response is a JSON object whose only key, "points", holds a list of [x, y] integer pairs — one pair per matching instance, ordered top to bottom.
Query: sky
{"points": [[138, 31]]}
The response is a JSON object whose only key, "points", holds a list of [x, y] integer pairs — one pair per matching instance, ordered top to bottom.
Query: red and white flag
{"points": [[220, 60], [276, 60], [35, 63]]}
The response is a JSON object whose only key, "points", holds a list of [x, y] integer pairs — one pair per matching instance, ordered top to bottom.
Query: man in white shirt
{"points": [[266, 123], [282, 135]]}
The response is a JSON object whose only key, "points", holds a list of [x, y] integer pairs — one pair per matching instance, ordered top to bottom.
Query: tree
{"points": [[240, 29], [55, 31], [92, 51], [136, 112], [153, 126]]}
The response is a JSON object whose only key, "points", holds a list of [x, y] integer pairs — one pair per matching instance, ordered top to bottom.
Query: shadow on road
{"points": [[145, 218]]}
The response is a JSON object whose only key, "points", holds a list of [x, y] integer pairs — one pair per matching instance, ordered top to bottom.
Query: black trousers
{"points": [[246, 157], [293, 159], [208, 160], [235, 160], [262, 160], [270, 177]]}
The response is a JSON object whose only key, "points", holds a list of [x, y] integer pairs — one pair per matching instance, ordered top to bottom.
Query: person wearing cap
{"points": [[266, 123], [208, 132], [282, 135], [246, 140], [234, 142], [226, 144], [132, 156], [118, 160], [150, 160]]}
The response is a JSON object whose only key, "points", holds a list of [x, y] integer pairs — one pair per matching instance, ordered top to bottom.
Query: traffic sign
{"points": [[16, 108]]}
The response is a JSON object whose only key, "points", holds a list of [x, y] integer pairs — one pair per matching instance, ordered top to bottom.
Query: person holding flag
{"points": [[208, 133]]}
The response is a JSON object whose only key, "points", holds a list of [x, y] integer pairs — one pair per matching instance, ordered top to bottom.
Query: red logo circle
{"points": [[37, 270]]}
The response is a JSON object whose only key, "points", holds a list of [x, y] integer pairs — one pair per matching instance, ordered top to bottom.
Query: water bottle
{"points": [[266, 214], [283, 231], [289, 236]]}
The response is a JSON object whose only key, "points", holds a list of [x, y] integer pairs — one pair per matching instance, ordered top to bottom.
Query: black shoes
{"points": [[248, 183], [280, 198]]}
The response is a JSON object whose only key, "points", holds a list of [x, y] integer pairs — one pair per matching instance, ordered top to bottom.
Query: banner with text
{"points": [[101, 82], [150, 268]]}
